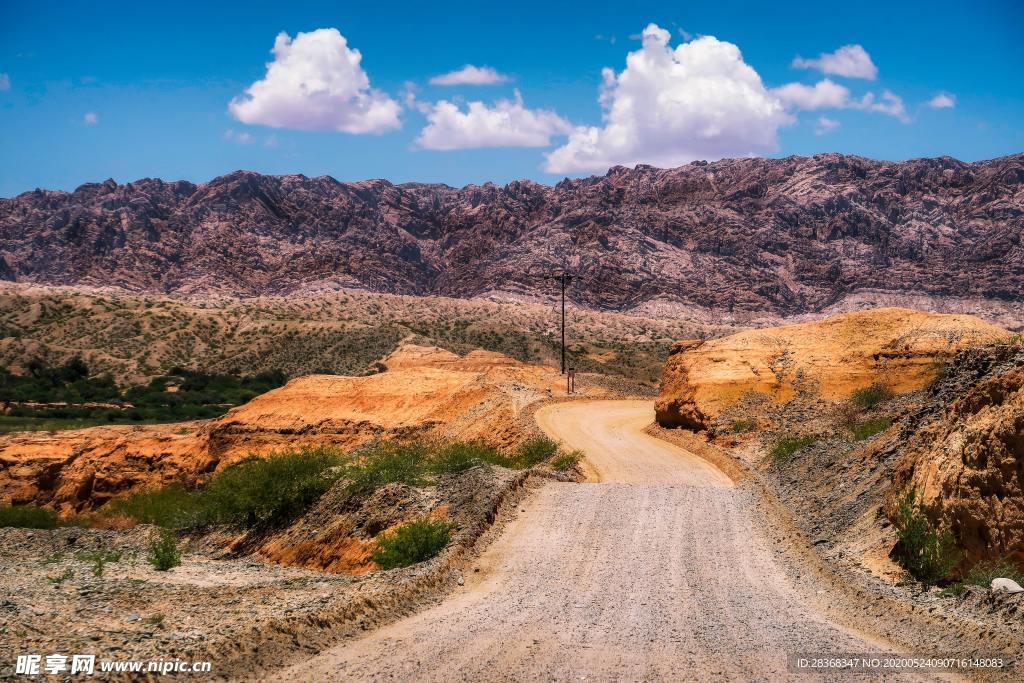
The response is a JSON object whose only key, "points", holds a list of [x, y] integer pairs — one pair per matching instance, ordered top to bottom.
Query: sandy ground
{"points": [[657, 569]]}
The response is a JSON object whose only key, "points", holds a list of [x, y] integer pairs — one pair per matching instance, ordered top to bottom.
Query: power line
{"points": [[564, 278]]}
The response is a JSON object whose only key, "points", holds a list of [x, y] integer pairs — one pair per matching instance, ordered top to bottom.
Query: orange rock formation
{"points": [[831, 358], [423, 391]]}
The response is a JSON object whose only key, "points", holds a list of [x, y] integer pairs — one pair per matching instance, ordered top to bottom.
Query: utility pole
{"points": [[564, 278]]}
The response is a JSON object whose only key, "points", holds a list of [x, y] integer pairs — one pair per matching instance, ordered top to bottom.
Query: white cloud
{"points": [[852, 61], [470, 75], [5, 82], [315, 82], [822, 95], [828, 95], [943, 100], [891, 104], [669, 106], [90, 118], [507, 124], [825, 125], [242, 137]]}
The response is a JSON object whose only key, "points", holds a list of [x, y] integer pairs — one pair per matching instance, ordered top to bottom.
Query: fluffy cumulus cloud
{"points": [[851, 61], [470, 75], [5, 82], [316, 82], [822, 95], [828, 95], [943, 100], [889, 103], [670, 106], [90, 118], [506, 124]]}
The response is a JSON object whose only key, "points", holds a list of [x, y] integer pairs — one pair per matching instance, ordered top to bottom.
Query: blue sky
{"points": [[96, 90]]}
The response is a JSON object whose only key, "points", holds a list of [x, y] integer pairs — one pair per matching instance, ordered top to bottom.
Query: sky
{"points": [[473, 92]]}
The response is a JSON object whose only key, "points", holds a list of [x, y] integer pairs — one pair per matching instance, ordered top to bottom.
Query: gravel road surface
{"points": [[654, 570]]}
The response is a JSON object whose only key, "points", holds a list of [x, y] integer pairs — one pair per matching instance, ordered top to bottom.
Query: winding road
{"points": [[656, 569]]}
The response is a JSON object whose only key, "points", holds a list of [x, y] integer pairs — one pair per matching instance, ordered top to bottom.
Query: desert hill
{"points": [[738, 238], [136, 335], [829, 359], [422, 391]]}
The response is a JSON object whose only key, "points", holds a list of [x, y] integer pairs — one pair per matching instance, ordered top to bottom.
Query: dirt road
{"points": [[657, 570]]}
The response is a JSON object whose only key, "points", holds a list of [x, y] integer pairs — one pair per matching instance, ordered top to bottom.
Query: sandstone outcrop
{"points": [[738, 238], [829, 359], [423, 391], [968, 464], [82, 469]]}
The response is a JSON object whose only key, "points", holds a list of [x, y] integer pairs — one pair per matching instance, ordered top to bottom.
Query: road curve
{"points": [[611, 435], [658, 571]]}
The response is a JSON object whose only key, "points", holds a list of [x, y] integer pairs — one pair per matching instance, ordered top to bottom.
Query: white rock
{"points": [[1008, 585]]}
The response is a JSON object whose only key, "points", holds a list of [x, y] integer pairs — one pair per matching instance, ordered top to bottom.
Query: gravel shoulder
{"points": [[659, 568], [244, 615]]}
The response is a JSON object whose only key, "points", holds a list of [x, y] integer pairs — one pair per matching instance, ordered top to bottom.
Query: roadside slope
{"points": [[659, 571]]}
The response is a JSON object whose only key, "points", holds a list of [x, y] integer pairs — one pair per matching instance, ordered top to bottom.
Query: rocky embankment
{"points": [[420, 391], [943, 418], [945, 422], [965, 454], [249, 598], [227, 606]]}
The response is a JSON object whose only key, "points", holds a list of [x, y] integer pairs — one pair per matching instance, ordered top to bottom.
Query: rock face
{"points": [[736, 237], [829, 359], [423, 391], [968, 462], [82, 469]]}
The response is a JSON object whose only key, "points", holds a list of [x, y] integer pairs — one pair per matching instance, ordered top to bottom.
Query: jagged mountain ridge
{"points": [[783, 236]]}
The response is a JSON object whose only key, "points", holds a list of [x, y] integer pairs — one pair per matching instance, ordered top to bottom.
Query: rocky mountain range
{"points": [[781, 237]]}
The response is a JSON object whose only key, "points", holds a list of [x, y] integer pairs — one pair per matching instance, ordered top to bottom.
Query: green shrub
{"points": [[869, 397], [740, 426], [868, 428], [786, 446], [534, 451], [461, 455], [567, 461], [387, 463], [270, 489], [172, 507], [28, 517], [410, 543], [163, 551], [925, 551], [55, 558], [100, 559], [983, 573], [60, 578], [952, 590]]}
